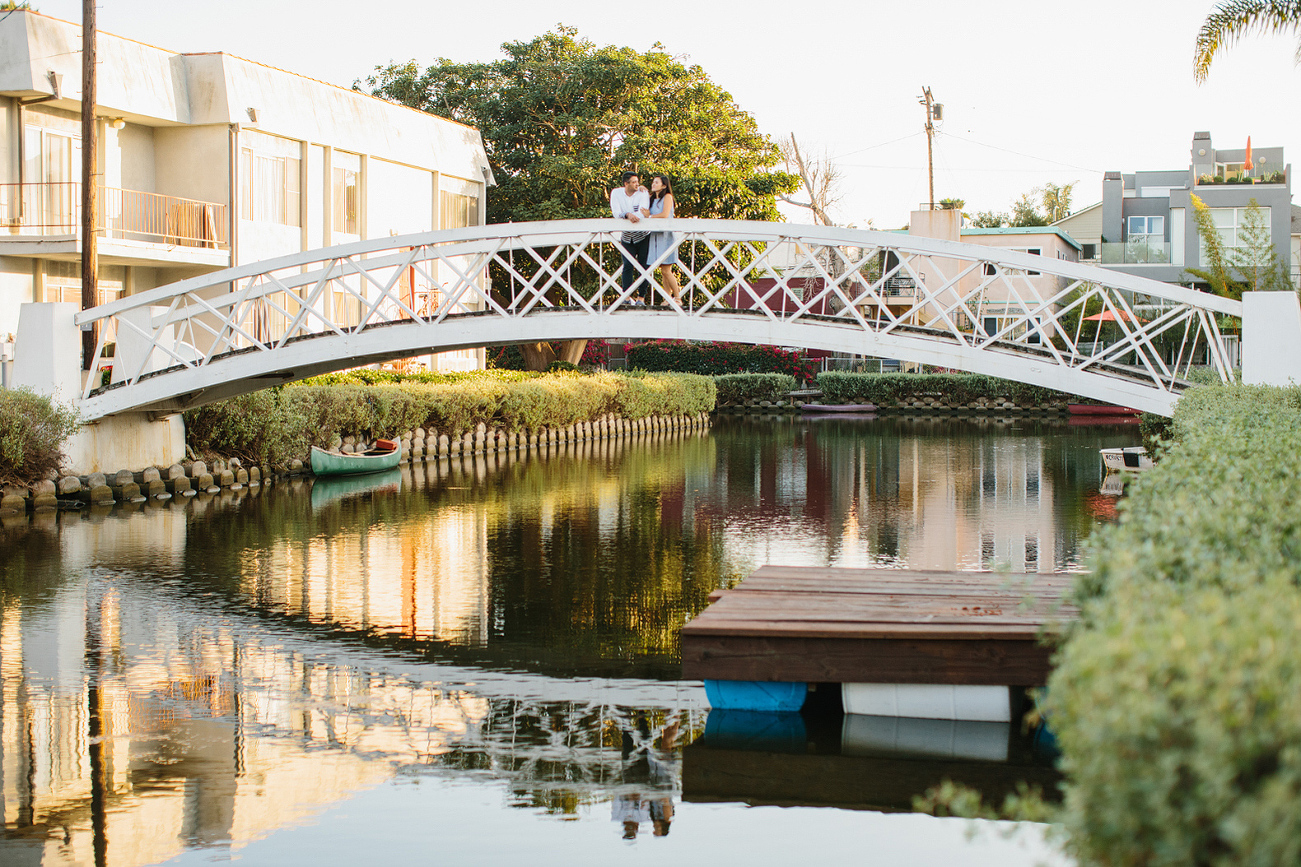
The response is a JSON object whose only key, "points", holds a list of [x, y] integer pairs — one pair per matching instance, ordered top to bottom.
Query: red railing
{"points": [[55, 209]]}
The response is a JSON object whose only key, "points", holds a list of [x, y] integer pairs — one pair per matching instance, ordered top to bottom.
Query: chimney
{"points": [[1203, 155]]}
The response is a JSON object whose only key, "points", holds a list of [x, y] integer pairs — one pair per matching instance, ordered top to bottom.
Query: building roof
{"points": [[155, 87], [1073, 214], [1026, 230]]}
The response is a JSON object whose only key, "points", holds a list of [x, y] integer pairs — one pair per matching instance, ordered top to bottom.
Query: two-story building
{"points": [[207, 161], [1146, 225]]}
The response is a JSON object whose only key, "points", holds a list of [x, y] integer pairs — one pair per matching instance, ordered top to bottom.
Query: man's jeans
{"points": [[636, 250]]}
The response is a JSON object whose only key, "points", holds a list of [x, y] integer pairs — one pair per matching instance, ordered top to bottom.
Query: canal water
{"points": [[478, 660]]}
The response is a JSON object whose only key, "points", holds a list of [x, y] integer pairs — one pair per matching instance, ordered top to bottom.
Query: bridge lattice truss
{"points": [[1076, 328]]}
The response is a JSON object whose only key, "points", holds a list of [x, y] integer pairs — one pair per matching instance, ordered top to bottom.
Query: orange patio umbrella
{"points": [[1246, 163], [1110, 316]]}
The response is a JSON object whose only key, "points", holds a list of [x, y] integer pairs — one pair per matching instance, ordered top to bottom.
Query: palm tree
{"points": [[1230, 20]]}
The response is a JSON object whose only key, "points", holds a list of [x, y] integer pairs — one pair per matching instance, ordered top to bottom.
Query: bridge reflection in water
{"points": [[205, 674]]}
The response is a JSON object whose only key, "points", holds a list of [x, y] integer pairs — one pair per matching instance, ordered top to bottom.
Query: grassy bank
{"points": [[276, 426]]}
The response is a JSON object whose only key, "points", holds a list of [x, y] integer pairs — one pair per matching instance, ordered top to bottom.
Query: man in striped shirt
{"points": [[631, 202]]}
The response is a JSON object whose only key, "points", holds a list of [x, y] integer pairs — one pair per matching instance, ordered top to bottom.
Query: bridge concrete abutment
{"points": [[1271, 338], [47, 355]]}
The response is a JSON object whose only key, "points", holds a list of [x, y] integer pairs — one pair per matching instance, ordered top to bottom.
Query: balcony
{"points": [[133, 226], [1136, 252], [899, 287]]}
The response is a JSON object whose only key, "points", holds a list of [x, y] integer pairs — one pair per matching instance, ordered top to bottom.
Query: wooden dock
{"points": [[826, 625]]}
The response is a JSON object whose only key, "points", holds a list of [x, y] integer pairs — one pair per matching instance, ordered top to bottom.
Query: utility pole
{"points": [[934, 112], [89, 182]]}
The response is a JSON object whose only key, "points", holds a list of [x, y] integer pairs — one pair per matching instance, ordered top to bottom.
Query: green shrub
{"points": [[717, 359], [738, 388], [891, 389], [278, 425], [271, 427], [32, 431], [1219, 507], [1177, 698], [1179, 718]]}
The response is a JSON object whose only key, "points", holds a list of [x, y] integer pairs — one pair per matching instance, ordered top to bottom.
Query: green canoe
{"points": [[383, 456]]}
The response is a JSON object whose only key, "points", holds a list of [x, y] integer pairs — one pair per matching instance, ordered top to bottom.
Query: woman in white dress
{"points": [[661, 208]]}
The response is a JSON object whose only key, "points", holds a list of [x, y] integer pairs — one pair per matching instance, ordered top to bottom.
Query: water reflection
{"points": [[922, 494], [194, 676], [137, 725], [859, 762]]}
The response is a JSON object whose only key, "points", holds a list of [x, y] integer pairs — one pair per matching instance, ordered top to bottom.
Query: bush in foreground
{"points": [[32, 431], [1177, 698], [1179, 717]]}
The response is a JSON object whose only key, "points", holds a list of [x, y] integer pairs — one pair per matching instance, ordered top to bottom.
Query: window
{"points": [[52, 167], [1229, 170], [270, 189], [344, 197], [458, 211], [1231, 224], [1143, 227], [1145, 243], [1033, 251], [989, 270], [63, 284], [1031, 552]]}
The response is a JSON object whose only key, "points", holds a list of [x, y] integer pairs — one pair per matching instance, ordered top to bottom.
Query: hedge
{"points": [[717, 359], [738, 388], [890, 389], [276, 426], [32, 432], [1217, 511], [1177, 698]]}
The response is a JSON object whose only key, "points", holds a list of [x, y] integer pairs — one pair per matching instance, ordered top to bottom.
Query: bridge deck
{"points": [[878, 626]]}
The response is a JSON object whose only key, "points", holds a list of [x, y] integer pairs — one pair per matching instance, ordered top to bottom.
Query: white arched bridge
{"points": [[1080, 329]]}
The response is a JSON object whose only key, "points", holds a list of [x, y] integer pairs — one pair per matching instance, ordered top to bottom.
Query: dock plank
{"points": [[878, 626]]}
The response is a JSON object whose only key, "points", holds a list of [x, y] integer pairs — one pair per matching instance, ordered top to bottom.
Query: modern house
{"points": [[207, 161], [1145, 223]]}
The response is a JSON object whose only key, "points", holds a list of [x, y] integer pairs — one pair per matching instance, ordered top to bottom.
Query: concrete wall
{"points": [[132, 158], [194, 163], [399, 199], [16, 287], [1271, 338], [131, 441]]}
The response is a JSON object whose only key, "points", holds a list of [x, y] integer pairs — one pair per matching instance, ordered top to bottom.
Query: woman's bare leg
{"points": [[671, 282]]}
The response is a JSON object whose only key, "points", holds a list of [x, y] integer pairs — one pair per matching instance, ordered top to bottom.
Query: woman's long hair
{"points": [[668, 186]]}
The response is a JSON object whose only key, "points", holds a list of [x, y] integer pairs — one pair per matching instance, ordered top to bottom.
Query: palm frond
{"points": [[1236, 18]]}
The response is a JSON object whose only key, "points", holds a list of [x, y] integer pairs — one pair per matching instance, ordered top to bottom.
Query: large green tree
{"points": [[1232, 20], [562, 118]]}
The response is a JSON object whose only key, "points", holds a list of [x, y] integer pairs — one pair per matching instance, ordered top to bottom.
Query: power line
{"points": [[880, 145], [1019, 154], [916, 168]]}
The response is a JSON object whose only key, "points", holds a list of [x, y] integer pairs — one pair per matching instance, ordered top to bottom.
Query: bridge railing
{"points": [[888, 288]]}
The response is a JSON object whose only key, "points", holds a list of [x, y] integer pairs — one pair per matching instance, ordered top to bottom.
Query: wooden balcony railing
{"points": [[55, 209]]}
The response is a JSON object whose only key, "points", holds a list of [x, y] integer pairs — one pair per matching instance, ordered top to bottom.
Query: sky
{"points": [[1033, 92]]}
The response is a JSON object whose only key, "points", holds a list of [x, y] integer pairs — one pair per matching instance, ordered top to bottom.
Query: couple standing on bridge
{"points": [[634, 203]]}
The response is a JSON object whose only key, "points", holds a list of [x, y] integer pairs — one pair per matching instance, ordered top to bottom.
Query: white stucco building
{"points": [[207, 161]]}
